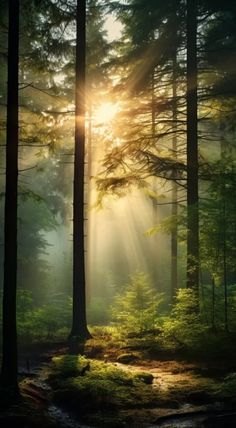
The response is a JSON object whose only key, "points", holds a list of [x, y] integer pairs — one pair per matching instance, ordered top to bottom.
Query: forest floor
{"points": [[177, 392]]}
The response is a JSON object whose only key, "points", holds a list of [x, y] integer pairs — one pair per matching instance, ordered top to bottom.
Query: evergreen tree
{"points": [[155, 90], [192, 149], [79, 324], [9, 336]]}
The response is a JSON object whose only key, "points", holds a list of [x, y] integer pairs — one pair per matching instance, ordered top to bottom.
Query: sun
{"points": [[105, 113]]}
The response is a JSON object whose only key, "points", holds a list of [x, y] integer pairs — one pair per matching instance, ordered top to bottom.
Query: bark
{"points": [[153, 133], [192, 149], [154, 185], [88, 201], [174, 238], [225, 263], [213, 302], [79, 324], [9, 331]]}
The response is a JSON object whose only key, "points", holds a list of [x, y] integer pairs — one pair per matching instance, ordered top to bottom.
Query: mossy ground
{"points": [[125, 382], [140, 388], [99, 391], [102, 392]]}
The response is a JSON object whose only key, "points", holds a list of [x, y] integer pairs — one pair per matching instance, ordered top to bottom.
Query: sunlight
{"points": [[113, 27], [105, 113], [123, 221]]}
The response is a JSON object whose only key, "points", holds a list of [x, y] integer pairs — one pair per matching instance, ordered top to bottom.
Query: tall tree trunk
{"points": [[153, 133], [192, 149], [154, 181], [88, 202], [224, 227], [174, 239], [213, 292], [79, 324], [9, 331]]}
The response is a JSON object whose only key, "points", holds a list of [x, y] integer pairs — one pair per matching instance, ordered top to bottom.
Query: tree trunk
{"points": [[153, 133], [192, 149], [154, 183], [88, 202], [224, 227], [174, 238], [213, 302], [79, 324], [9, 331]]}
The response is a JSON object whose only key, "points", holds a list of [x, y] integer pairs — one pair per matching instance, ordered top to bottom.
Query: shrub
{"points": [[136, 306], [184, 327]]}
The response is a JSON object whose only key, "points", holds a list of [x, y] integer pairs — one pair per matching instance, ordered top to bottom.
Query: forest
{"points": [[117, 213]]}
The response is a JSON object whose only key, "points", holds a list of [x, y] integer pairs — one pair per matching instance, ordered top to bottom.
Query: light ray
{"points": [[105, 113]]}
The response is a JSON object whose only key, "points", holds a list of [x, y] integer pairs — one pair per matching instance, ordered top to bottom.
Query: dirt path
{"points": [[166, 374], [188, 396]]}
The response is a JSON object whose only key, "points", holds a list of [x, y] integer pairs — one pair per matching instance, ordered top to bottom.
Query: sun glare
{"points": [[105, 112]]}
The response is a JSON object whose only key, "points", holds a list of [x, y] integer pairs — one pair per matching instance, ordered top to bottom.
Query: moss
{"points": [[127, 358], [68, 367], [145, 377], [103, 386]]}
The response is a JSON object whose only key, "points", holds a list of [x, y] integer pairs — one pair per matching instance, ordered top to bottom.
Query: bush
{"points": [[136, 306], [43, 322], [184, 327]]}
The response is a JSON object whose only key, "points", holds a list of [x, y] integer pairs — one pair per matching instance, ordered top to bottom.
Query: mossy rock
{"points": [[127, 358], [145, 377]]}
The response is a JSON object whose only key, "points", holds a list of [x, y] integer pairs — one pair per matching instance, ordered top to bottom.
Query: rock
{"points": [[127, 358], [145, 377]]}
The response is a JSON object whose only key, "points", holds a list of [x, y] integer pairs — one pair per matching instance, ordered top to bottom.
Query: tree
{"points": [[154, 60], [192, 149], [174, 231], [136, 306], [79, 324], [9, 341]]}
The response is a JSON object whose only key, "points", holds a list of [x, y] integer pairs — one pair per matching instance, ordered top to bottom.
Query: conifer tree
{"points": [[192, 149], [79, 325], [9, 332]]}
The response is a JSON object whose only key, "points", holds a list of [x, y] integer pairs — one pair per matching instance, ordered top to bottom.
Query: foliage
{"points": [[218, 220], [135, 308], [213, 310], [98, 312], [43, 322], [184, 326], [104, 339], [227, 389]]}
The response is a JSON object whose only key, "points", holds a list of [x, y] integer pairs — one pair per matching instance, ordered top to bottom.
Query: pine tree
{"points": [[152, 56], [192, 149], [79, 325], [9, 337]]}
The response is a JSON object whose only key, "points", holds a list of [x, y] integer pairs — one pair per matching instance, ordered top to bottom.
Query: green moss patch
{"points": [[127, 358], [96, 389]]}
